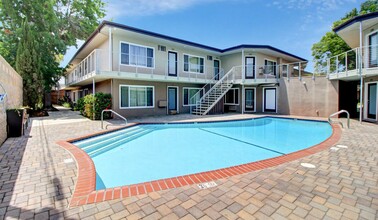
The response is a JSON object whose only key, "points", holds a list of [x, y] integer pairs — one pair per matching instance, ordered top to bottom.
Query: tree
{"points": [[54, 25], [331, 44], [28, 65]]}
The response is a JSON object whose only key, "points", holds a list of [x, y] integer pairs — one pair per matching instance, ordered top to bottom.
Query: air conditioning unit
{"points": [[162, 48]]}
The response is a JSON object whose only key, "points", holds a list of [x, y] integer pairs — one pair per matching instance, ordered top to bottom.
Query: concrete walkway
{"points": [[38, 178]]}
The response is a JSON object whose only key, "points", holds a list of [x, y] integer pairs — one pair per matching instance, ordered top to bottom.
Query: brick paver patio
{"points": [[38, 178]]}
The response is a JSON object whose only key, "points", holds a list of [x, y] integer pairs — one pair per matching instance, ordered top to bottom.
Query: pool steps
{"points": [[93, 140], [108, 140], [102, 144], [96, 151]]}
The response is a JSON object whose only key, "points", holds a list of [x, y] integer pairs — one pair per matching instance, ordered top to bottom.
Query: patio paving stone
{"points": [[37, 182]]}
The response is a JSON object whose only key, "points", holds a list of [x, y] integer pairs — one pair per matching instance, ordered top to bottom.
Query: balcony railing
{"points": [[98, 61], [348, 63], [85, 69], [266, 72]]}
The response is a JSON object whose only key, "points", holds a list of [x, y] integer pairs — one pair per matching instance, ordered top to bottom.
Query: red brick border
{"points": [[85, 190]]}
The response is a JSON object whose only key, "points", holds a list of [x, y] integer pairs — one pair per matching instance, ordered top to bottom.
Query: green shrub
{"points": [[102, 101], [66, 104], [80, 105]]}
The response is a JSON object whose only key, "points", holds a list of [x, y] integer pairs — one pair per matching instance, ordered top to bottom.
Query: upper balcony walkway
{"points": [[94, 66], [346, 66]]}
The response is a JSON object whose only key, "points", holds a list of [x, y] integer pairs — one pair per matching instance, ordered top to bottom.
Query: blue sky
{"points": [[290, 25]]}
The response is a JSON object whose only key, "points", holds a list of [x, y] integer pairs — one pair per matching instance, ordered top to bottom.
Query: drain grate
{"points": [[207, 185]]}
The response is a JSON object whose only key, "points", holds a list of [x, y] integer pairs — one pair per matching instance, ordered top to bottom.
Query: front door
{"points": [[172, 63], [249, 67], [216, 69], [172, 99], [249, 100], [372, 101], [270, 104]]}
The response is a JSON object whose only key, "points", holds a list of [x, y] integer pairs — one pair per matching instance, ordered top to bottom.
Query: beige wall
{"points": [[161, 57], [12, 83], [160, 94], [317, 97]]}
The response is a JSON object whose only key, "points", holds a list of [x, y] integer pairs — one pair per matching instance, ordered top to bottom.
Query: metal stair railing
{"points": [[226, 79], [214, 80], [110, 110], [338, 113]]}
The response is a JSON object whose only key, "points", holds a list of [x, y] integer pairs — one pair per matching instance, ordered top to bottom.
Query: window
{"points": [[373, 51], [135, 55], [193, 64], [250, 67], [270, 67], [86, 92], [190, 93], [81, 94], [136, 96], [232, 97]]}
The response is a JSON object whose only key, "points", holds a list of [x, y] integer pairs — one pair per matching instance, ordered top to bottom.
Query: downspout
{"points": [[243, 69], [360, 71], [93, 92]]}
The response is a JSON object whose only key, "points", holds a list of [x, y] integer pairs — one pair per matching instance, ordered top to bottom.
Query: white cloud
{"points": [[318, 5], [129, 8], [316, 10]]}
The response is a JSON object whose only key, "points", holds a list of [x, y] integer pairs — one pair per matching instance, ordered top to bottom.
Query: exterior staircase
{"points": [[214, 94]]}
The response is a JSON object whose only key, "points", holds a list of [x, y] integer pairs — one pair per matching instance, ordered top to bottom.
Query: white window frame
{"points": [[138, 45], [367, 51], [190, 55], [266, 59], [254, 69], [366, 93], [238, 94], [183, 95], [263, 97], [254, 99], [136, 107]]}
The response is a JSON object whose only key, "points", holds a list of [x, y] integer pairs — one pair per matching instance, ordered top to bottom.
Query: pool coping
{"points": [[85, 189]]}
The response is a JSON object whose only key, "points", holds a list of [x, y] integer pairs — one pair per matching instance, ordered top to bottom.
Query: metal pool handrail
{"points": [[110, 110], [337, 113]]}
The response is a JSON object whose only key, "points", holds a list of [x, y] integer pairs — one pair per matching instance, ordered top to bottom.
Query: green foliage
{"points": [[53, 25], [331, 44], [29, 65], [64, 99], [101, 101], [67, 105], [80, 105]]}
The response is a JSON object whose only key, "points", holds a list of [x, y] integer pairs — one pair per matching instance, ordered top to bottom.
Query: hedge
{"points": [[102, 101]]}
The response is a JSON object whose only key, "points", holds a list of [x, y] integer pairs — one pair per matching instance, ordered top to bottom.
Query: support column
{"points": [[110, 50], [243, 65], [360, 71], [93, 93], [243, 99]]}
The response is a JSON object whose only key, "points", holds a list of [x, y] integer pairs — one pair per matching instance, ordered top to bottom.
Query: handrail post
{"points": [[110, 110], [337, 113]]}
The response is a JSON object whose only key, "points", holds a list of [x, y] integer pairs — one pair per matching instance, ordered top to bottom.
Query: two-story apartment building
{"points": [[357, 69], [153, 74]]}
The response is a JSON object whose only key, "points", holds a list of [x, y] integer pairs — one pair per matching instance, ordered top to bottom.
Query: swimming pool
{"points": [[148, 152]]}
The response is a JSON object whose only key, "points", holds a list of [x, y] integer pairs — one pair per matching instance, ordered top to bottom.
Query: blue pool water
{"points": [[155, 151]]}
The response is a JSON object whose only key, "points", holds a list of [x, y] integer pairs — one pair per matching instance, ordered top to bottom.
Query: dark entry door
{"points": [[216, 69], [172, 98], [372, 101]]}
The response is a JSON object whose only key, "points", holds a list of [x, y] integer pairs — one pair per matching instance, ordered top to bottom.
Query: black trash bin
{"points": [[15, 119]]}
